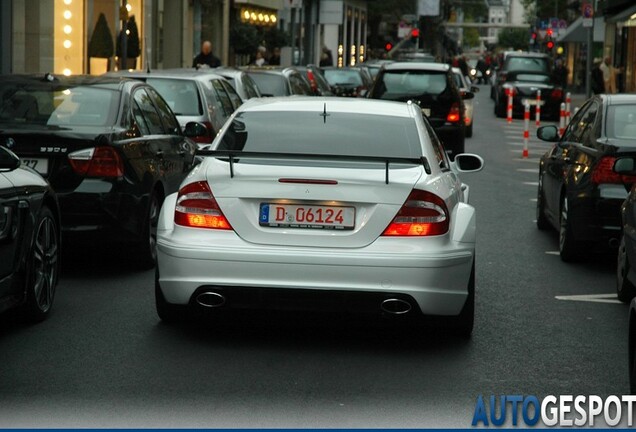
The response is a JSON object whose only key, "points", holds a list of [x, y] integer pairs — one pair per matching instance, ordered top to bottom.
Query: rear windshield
{"points": [[526, 64], [343, 77], [538, 78], [396, 83], [270, 84], [182, 96], [58, 105], [621, 122], [333, 134]]}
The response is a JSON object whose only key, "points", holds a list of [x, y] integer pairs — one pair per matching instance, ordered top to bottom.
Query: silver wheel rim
{"points": [[45, 258]]}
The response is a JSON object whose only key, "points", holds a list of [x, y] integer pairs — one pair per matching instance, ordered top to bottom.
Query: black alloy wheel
{"points": [[542, 221], [148, 242], [569, 248], [625, 290]]}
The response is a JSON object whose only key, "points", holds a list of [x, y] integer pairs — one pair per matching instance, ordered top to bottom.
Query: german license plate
{"points": [[531, 102], [41, 165], [307, 216]]}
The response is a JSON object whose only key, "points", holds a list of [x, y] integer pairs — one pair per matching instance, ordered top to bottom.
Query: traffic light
{"points": [[415, 33], [548, 33], [549, 45], [388, 46]]}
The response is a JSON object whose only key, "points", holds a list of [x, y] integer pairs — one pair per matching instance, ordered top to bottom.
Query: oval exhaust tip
{"points": [[211, 299], [395, 306]]}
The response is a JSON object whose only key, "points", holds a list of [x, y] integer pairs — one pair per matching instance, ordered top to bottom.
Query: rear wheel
{"points": [[542, 221], [147, 245], [569, 248], [42, 267], [625, 290]]}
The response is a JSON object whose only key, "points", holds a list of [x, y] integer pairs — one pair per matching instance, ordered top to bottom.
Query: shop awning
{"points": [[622, 16], [577, 33]]}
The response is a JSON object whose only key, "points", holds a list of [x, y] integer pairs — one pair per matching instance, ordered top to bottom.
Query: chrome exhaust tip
{"points": [[210, 299], [395, 306]]}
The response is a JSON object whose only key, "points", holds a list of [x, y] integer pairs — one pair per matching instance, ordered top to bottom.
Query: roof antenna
{"points": [[324, 114]]}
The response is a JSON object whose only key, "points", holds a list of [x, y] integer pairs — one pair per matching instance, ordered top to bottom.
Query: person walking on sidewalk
{"points": [[609, 75]]}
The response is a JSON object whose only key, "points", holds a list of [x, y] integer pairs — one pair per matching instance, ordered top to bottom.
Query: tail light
{"points": [[312, 81], [557, 94], [454, 114], [207, 138], [97, 162], [604, 174], [197, 208], [423, 214]]}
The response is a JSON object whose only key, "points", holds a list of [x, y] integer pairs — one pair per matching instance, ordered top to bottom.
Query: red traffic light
{"points": [[549, 32], [415, 33], [534, 36], [549, 45], [388, 46]]}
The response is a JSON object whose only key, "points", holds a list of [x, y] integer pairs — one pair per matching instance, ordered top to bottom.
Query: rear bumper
{"points": [[597, 217]]}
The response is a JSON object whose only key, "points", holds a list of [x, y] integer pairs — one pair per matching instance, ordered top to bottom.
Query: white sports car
{"points": [[342, 204]]}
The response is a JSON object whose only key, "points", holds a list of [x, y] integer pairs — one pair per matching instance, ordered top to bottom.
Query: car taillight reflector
{"points": [[312, 81], [557, 94], [454, 114], [97, 162], [604, 174], [196, 207], [423, 214]]}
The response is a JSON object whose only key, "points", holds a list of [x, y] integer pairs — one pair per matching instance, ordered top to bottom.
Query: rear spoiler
{"points": [[232, 155]]}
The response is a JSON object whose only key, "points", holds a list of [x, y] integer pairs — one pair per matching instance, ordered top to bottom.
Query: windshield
{"points": [[526, 64], [343, 77], [545, 79], [413, 83], [270, 84], [181, 95], [58, 105], [621, 122], [331, 133]]}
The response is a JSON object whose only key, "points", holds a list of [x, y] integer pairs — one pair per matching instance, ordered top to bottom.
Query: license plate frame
{"points": [[41, 165], [307, 216]]}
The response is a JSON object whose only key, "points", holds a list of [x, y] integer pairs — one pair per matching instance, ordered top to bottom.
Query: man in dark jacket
{"points": [[205, 57]]}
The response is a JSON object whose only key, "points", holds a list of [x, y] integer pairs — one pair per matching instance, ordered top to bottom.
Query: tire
{"points": [[500, 110], [469, 131], [542, 222], [147, 245], [569, 248], [42, 267], [625, 290], [168, 312]]}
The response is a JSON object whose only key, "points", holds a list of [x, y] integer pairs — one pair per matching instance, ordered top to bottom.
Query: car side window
{"points": [[296, 84], [250, 87], [223, 97], [234, 97], [149, 112], [167, 116], [139, 122], [575, 127], [588, 137], [441, 158]]}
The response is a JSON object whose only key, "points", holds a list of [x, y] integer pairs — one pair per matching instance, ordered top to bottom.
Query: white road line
{"points": [[531, 160], [528, 170], [531, 183], [533, 200], [557, 253], [593, 298]]}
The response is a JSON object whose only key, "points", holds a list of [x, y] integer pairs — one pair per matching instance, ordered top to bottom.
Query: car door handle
{"points": [[159, 154]]}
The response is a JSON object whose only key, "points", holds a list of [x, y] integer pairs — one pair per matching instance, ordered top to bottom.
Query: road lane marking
{"points": [[528, 170], [531, 183], [534, 200], [557, 253], [592, 298]]}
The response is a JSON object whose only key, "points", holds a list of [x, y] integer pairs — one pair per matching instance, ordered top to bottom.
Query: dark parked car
{"points": [[524, 74], [274, 81], [348, 81], [242, 82], [318, 83], [432, 86], [194, 95], [111, 148], [579, 194], [29, 238], [632, 348]]}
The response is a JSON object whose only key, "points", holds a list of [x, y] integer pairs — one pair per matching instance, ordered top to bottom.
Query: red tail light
{"points": [[312, 81], [557, 94], [454, 114], [207, 138], [97, 162], [603, 173], [197, 208], [423, 214]]}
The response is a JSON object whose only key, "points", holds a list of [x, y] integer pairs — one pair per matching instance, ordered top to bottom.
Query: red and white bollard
{"points": [[568, 102], [509, 108], [537, 108], [562, 120], [526, 129]]}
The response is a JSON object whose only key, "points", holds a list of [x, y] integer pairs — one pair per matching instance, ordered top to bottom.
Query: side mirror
{"points": [[474, 89], [195, 129], [548, 133], [9, 161], [467, 162], [625, 166]]}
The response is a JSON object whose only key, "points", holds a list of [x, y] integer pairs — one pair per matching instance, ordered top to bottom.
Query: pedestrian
{"points": [[205, 58], [259, 59], [326, 59], [274, 60], [463, 65], [482, 67], [560, 73], [609, 75], [598, 84]]}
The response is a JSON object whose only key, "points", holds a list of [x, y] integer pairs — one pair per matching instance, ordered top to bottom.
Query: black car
{"points": [[523, 75], [274, 81], [348, 81], [242, 82], [432, 86], [111, 148], [579, 194], [29, 239], [632, 348]]}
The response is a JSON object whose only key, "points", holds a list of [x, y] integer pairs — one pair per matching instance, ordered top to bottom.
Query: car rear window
{"points": [[526, 64], [343, 77], [538, 78], [412, 82], [270, 84], [182, 96], [58, 105], [621, 122], [333, 134]]}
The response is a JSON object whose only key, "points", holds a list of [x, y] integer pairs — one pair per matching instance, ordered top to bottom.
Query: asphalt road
{"points": [[104, 359]]}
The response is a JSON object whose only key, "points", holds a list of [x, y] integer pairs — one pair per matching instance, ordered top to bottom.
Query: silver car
{"points": [[464, 86]]}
